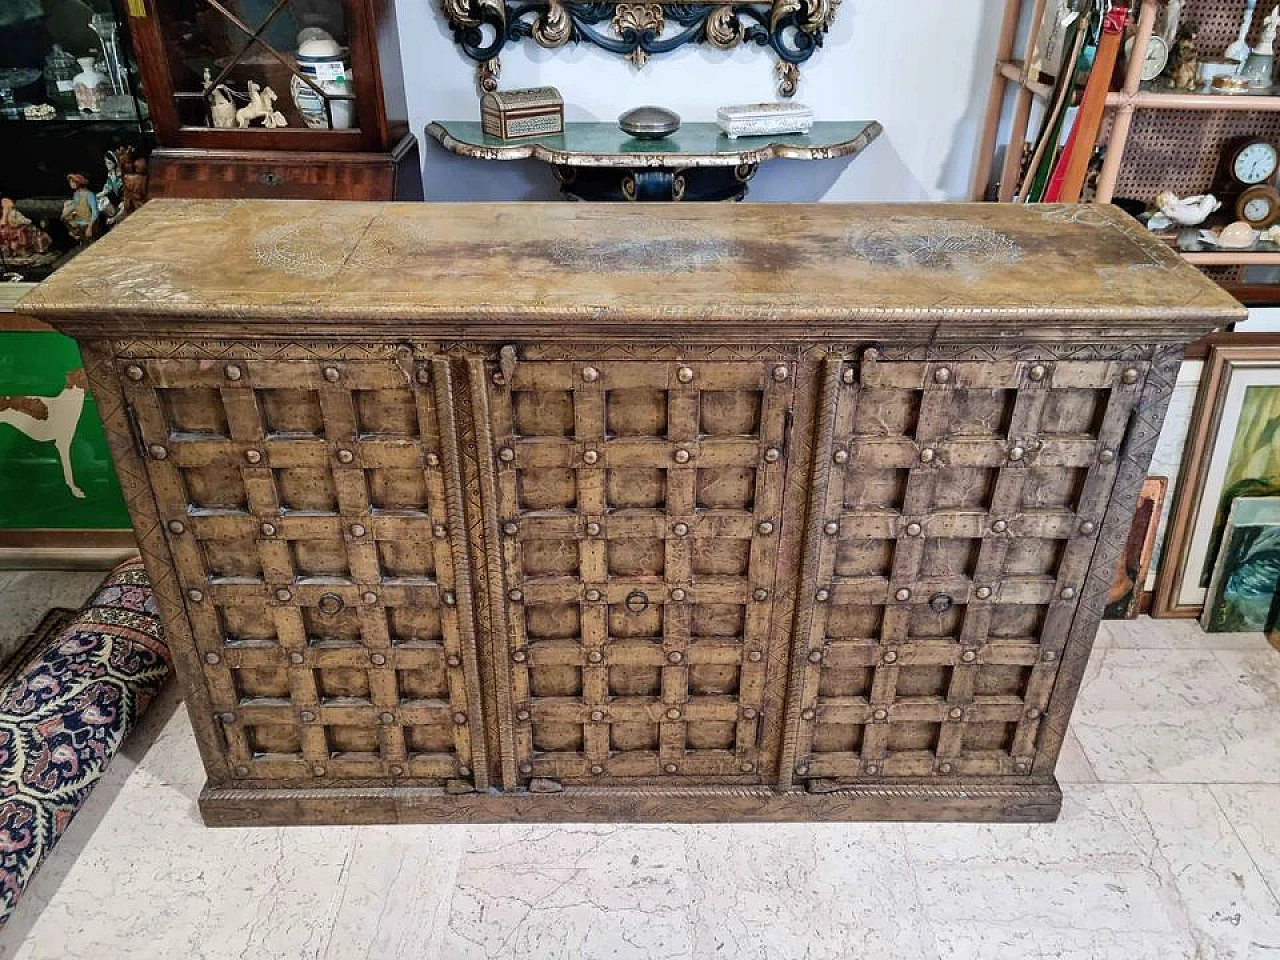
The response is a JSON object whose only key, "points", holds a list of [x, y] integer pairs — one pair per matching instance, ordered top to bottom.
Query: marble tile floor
{"points": [[1168, 848]]}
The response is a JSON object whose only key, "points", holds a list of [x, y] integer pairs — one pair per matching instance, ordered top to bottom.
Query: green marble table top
{"points": [[694, 144]]}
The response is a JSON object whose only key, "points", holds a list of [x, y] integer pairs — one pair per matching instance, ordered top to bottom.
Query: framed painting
{"points": [[1233, 451], [57, 483], [1135, 562], [1243, 593]]}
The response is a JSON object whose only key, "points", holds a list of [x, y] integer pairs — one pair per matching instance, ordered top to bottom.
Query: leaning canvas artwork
{"points": [[1253, 468], [1242, 593]]}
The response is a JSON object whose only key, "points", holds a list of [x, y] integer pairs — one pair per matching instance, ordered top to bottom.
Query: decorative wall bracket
{"points": [[793, 29]]}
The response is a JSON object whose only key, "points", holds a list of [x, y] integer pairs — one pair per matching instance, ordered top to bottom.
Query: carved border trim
{"points": [[442, 384], [970, 801]]}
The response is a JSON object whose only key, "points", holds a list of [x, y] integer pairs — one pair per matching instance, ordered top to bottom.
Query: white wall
{"points": [[920, 67]]}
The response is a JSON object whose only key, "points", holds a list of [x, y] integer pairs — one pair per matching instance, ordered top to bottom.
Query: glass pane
{"points": [[261, 64], [73, 159]]}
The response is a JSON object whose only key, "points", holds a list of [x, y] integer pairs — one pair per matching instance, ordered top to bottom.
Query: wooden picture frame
{"points": [[1198, 512]]}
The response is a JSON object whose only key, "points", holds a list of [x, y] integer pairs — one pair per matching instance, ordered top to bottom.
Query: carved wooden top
{"points": [[769, 271]]}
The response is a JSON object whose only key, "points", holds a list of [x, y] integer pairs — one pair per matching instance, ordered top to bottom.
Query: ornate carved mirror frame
{"points": [[793, 29]]}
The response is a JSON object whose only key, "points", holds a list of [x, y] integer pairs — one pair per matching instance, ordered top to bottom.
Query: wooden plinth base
{"points": [[1037, 802]]}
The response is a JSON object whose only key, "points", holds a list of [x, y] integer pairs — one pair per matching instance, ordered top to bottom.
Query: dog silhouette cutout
{"points": [[51, 420]]}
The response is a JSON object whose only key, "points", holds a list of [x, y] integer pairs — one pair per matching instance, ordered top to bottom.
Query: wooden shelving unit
{"points": [[1010, 75], [1141, 123]]}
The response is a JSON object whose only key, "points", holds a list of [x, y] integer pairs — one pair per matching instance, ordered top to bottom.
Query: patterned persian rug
{"points": [[35, 642], [64, 714]]}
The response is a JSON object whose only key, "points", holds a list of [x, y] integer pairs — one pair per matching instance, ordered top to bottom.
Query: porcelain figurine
{"points": [[1239, 50], [1185, 62], [1259, 68], [222, 104], [261, 106], [224, 114], [135, 187], [112, 193], [113, 198], [1187, 212], [80, 213], [22, 243]]}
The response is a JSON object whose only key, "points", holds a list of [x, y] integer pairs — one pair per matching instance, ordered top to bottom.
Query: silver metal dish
{"points": [[649, 123]]}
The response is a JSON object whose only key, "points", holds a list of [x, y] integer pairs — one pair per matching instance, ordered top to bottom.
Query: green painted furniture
{"points": [[597, 161]]}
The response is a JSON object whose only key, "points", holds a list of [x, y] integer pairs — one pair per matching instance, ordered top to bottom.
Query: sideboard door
{"points": [[956, 512], [313, 514], [639, 524]]}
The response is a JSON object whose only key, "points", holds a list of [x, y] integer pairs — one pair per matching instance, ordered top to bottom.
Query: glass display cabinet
{"points": [[276, 98], [74, 133], [75, 139]]}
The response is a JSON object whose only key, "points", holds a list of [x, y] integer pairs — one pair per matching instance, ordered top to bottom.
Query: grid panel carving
{"points": [[306, 507], [641, 507], [959, 519]]}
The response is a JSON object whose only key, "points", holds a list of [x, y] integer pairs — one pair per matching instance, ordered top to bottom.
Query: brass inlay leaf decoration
{"points": [[961, 247], [292, 249], [662, 254], [138, 282]]}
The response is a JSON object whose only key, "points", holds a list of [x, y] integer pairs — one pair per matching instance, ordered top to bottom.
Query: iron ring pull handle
{"points": [[637, 601]]}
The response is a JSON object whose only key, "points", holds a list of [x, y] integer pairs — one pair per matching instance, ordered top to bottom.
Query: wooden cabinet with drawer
{"points": [[578, 513]]}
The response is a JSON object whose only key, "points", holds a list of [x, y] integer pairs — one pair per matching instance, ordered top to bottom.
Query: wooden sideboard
{"points": [[579, 512]]}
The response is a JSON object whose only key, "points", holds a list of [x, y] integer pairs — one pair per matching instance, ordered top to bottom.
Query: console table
{"points": [[597, 161], [582, 512]]}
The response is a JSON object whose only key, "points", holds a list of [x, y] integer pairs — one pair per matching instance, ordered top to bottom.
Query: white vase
{"points": [[91, 87]]}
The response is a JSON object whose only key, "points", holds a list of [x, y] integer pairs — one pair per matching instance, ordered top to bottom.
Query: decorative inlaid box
{"points": [[512, 114], [764, 119], [576, 513]]}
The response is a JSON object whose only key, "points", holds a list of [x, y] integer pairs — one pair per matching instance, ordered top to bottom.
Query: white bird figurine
{"points": [[1189, 211]]}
